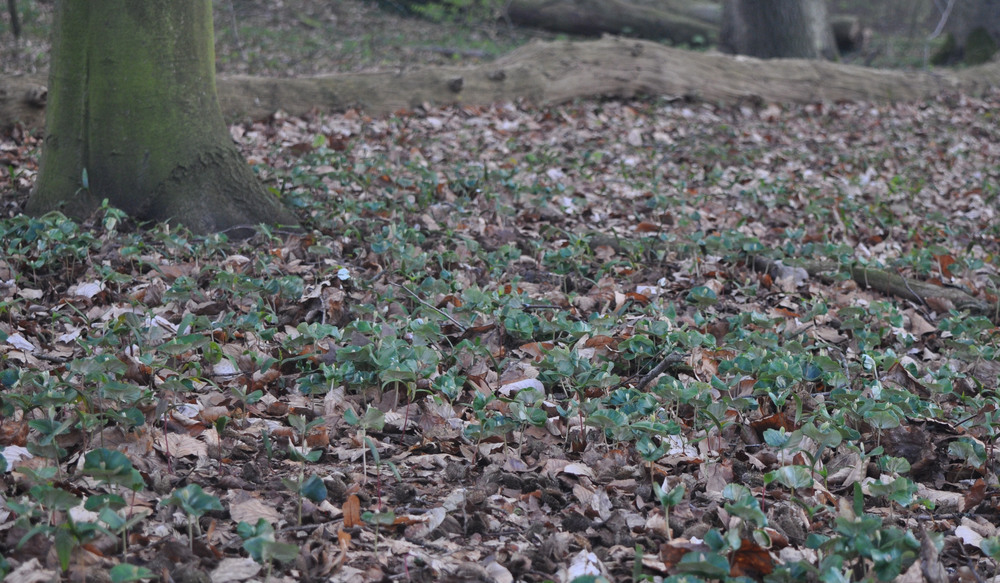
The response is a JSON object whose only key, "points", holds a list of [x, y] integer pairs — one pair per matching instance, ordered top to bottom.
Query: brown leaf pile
{"points": [[604, 222]]}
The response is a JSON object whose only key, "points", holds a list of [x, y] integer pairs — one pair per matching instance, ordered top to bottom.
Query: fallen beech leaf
{"points": [[944, 262], [939, 304], [536, 350], [899, 375], [777, 421], [975, 495], [245, 507], [352, 511], [968, 536], [751, 560], [235, 569]]}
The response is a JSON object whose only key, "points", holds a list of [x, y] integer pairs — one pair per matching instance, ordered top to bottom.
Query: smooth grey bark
{"points": [[676, 21], [777, 29]]}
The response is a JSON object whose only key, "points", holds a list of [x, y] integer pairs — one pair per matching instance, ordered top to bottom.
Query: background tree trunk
{"points": [[967, 15], [15, 20], [678, 21], [777, 29], [973, 29], [133, 117]]}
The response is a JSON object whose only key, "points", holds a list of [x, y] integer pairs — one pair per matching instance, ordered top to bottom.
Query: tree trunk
{"points": [[968, 15], [15, 21], [680, 22], [690, 22], [777, 29], [848, 33], [133, 117]]}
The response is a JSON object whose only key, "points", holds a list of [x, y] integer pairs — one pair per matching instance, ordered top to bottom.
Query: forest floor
{"points": [[643, 340]]}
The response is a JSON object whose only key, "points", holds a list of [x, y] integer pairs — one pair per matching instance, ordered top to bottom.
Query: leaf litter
{"points": [[528, 344]]}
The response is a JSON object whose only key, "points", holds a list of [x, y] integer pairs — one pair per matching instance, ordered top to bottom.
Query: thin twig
{"points": [[416, 297], [668, 360], [307, 527]]}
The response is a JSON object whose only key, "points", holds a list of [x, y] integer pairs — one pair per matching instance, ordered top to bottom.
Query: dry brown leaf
{"points": [[181, 445], [245, 507], [352, 511]]}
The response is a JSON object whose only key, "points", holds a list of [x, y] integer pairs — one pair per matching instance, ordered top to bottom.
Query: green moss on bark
{"points": [[134, 107]]}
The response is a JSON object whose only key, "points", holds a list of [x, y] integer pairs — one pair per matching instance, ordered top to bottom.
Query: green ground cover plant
{"points": [[572, 326], [580, 343]]}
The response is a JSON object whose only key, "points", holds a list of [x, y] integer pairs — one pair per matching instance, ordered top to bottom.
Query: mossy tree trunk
{"points": [[133, 117]]}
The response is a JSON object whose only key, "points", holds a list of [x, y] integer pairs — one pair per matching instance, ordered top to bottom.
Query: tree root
{"points": [[937, 297]]}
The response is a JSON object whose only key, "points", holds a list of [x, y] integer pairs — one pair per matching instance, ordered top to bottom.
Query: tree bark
{"points": [[968, 15], [15, 20], [680, 22], [691, 22], [777, 29], [848, 33], [557, 72], [133, 117]]}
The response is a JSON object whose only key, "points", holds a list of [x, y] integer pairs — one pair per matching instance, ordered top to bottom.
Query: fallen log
{"points": [[547, 73]]}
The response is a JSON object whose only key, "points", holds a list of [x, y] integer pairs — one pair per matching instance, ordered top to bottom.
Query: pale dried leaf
{"points": [[235, 569]]}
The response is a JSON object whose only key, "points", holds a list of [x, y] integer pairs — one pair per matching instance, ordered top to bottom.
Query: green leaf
{"points": [[702, 296], [253, 397], [882, 418], [607, 419], [826, 434], [776, 438], [374, 450], [649, 451], [311, 455], [894, 465], [108, 466], [792, 477], [314, 489], [901, 490], [53, 498], [671, 498], [859, 499], [193, 500], [99, 501], [111, 518], [379, 518], [246, 530], [65, 542], [259, 543], [991, 547], [281, 552], [710, 565], [123, 573]]}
